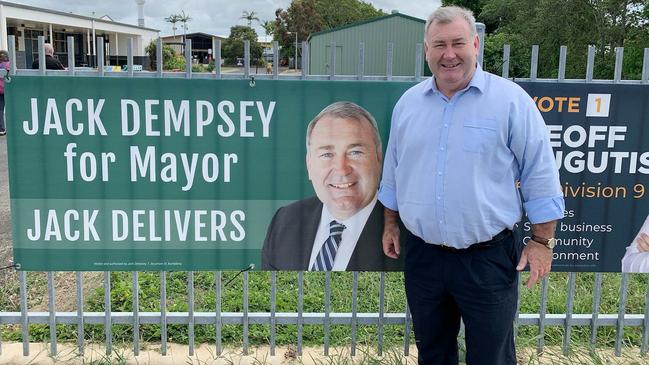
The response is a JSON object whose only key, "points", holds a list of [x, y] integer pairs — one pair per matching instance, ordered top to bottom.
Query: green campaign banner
{"points": [[165, 174], [190, 174]]}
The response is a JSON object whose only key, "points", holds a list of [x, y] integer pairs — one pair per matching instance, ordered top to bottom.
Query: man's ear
{"points": [[425, 50], [308, 165]]}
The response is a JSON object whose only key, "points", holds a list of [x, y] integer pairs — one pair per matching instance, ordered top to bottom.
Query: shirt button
{"points": [[445, 125], [441, 148], [439, 173], [439, 198], [440, 222]]}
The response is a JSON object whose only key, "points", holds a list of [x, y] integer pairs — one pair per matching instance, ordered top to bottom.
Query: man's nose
{"points": [[449, 53], [341, 165]]}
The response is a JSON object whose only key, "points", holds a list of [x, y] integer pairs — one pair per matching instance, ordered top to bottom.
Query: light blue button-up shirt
{"points": [[452, 165]]}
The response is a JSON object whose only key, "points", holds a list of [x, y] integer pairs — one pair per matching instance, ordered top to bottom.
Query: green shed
{"points": [[404, 31]]}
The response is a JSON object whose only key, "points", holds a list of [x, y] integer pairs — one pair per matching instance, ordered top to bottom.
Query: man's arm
{"points": [[539, 183], [387, 193], [391, 244], [537, 255], [636, 258]]}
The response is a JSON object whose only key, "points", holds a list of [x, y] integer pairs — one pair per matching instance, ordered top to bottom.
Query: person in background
{"points": [[51, 63], [4, 69]]}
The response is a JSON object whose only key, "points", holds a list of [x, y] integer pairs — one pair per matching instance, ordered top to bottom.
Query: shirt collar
{"points": [[478, 81], [361, 215]]}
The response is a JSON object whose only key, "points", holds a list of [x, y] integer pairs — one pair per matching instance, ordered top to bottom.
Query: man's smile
{"points": [[450, 66], [343, 185]]}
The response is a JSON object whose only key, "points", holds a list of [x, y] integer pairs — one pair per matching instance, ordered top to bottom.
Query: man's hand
{"points": [[642, 242], [391, 244], [536, 254], [539, 258]]}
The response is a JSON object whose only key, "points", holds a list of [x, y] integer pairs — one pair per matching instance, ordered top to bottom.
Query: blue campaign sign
{"points": [[599, 137]]}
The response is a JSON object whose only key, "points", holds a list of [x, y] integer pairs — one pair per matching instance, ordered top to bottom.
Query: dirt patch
{"points": [[203, 355], [206, 355]]}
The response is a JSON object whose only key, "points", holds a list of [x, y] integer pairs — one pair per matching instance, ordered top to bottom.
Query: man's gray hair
{"points": [[446, 14], [49, 50], [345, 110]]}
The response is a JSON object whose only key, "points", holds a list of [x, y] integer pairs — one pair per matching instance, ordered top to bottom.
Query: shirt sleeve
{"points": [[529, 140], [387, 189], [634, 260]]}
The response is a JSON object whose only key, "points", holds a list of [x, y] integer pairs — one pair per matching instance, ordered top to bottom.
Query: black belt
{"points": [[480, 245]]}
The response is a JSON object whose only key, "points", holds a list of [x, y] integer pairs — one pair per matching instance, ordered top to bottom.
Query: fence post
{"points": [[361, 61], [534, 66], [505, 72]]}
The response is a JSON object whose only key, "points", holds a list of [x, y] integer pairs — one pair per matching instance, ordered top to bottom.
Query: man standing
{"points": [[51, 63], [459, 145], [341, 227]]}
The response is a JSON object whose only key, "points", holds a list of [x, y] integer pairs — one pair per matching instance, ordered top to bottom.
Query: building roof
{"points": [[44, 10], [363, 22], [207, 35], [264, 38]]}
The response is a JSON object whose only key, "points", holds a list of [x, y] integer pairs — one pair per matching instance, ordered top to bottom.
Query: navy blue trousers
{"points": [[479, 286]]}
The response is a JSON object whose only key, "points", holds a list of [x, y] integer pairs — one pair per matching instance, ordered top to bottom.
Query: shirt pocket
{"points": [[479, 135]]}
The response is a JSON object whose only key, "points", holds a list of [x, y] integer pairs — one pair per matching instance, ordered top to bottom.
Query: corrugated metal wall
{"points": [[404, 31]]}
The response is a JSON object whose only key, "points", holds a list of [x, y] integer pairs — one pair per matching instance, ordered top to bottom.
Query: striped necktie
{"points": [[325, 259]]}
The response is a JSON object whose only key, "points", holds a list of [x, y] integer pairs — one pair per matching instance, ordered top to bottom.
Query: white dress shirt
{"points": [[353, 227], [635, 260]]}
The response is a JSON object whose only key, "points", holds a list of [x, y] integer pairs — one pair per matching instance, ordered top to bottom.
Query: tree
{"points": [[476, 7], [342, 12], [250, 16], [309, 16], [184, 18], [173, 19], [606, 24], [269, 27], [233, 45], [170, 60]]}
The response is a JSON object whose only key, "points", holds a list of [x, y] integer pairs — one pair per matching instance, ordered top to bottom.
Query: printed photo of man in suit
{"points": [[341, 227]]}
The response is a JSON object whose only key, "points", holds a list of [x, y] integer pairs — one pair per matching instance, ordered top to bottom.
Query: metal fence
{"points": [[244, 318]]}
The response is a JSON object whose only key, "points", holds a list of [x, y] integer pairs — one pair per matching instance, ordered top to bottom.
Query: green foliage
{"points": [[341, 12], [250, 16], [310, 16], [606, 24], [233, 46], [519, 57], [170, 60], [175, 63], [211, 66]]}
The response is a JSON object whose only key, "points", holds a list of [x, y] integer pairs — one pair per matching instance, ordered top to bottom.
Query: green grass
{"points": [[287, 294]]}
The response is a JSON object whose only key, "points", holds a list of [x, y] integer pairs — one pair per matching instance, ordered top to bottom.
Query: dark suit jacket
{"points": [[51, 63], [289, 240]]}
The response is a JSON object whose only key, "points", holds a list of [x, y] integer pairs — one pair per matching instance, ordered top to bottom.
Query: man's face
{"points": [[451, 53], [344, 164]]}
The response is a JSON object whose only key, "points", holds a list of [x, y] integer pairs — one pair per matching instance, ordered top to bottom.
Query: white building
{"points": [[26, 23]]}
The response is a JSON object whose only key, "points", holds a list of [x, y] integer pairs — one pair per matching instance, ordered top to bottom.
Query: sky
{"points": [[207, 16]]}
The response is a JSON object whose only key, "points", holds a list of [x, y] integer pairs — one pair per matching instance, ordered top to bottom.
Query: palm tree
{"points": [[250, 16], [184, 18], [173, 19], [269, 27]]}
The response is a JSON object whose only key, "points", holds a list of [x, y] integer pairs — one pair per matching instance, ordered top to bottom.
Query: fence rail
{"points": [[191, 318]]}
